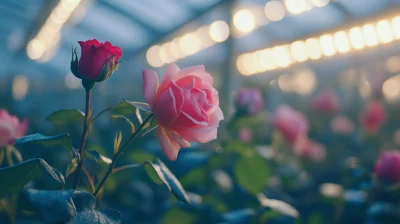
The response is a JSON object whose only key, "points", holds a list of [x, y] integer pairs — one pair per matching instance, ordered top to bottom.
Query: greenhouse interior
{"points": [[200, 111]]}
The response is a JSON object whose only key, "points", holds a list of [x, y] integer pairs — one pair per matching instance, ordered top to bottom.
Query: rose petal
{"points": [[172, 70], [150, 86], [168, 105], [21, 130], [169, 145]]}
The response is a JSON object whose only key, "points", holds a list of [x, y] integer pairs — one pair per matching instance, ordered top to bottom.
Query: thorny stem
{"points": [[85, 131], [121, 151]]}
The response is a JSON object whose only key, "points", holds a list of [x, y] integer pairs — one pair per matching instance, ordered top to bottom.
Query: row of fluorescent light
{"points": [[244, 20], [49, 34], [188, 44], [327, 45]]}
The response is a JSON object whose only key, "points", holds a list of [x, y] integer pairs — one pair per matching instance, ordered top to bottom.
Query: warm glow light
{"points": [[320, 3], [296, 6], [274, 10], [244, 20], [396, 27], [384, 30], [219, 31], [49, 34], [370, 35], [356, 38], [341, 42], [189, 44], [327, 45], [174, 48], [313, 48], [35, 49], [299, 51], [165, 54], [281, 56], [153, 57], [266, 59], [249, 64], [393, 64], [240, 65], [258, 67], [304, 82], [285, 83], [20, 87], [391, 89], [331, 190]]}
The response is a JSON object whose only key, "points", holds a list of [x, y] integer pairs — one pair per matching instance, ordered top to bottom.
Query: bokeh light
{"points": [[244, 20]]}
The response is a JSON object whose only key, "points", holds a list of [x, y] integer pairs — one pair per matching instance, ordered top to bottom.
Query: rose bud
{"points": [[97, 62], [249, 101], [326, 102], [186, 106], [372, 117], [291, 124], [342, 125], [10, 128], [245, 135], [309, 149], [387, 167]]}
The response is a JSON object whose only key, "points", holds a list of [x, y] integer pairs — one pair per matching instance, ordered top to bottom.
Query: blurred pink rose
{"points": [[249, 101], [326, 102], [186, 106], [372, 117], [291, 123], [342, 125], [10, 128], [245, 135], [310, 149], [387, 167]]}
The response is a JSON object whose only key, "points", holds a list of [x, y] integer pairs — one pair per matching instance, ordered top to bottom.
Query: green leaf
{"points": [[140, 105], [124, 108], [139, 116], [64, 117], [114, 117], [153, 124], [62, 139], [117, 142], [141, 156], [98, 157], [71, 168], [251, 172], [160, 174], [15, 177], [278, 206], [71, 207], [179, 216]]}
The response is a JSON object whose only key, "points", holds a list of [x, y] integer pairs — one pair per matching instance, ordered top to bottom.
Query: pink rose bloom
{"points": [[249, 100], [326, 102], [186, 106], [372, 117], [292, 124], [342, 125], [10, 128], [245, 135], [310, 149], [387, 167]]}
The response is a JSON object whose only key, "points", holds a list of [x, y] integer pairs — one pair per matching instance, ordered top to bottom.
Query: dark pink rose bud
{"points": [[97, 62], [249, 101], [326, 102], [372, 117], [291, 123], [11, 128], [309, 149], [387, 167]]}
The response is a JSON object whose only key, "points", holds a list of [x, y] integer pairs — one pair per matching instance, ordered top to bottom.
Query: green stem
{"points": [[98, 115], [85, 131], [121, 151], [126, 167]]}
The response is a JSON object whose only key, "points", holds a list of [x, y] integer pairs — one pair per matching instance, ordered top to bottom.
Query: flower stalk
{"points": [[86, 127], [120, 152]]}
